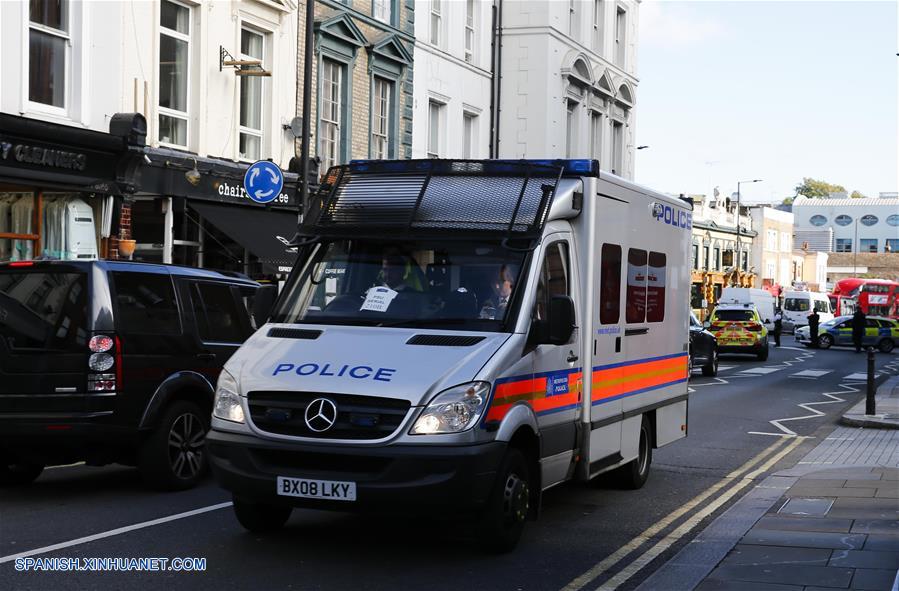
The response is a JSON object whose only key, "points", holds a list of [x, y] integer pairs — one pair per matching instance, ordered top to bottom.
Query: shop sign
{"points": [[49, 157], [237, 191]]}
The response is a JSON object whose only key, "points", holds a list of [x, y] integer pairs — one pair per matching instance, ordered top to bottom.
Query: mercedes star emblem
{"points": [[321, 414]]}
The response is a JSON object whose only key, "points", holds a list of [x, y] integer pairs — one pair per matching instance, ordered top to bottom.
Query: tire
{"points": [[825, 341], [885, 345], [763, 351], [710, 370], [174, 456], [19, 473], [634, 474], [259, 518], [502, 521]]}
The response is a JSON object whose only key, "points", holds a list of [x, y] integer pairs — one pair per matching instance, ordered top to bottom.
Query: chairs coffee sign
{"points": [[263, 181]]}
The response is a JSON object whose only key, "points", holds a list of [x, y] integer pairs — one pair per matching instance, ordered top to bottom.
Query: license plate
{"points": [[330, 490]]}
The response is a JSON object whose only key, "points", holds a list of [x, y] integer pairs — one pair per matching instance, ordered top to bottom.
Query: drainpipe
{"points": [[496, 72]]}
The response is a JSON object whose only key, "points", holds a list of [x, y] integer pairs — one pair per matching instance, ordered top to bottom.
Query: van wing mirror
{"points": [[263, 302], [561, 319]]}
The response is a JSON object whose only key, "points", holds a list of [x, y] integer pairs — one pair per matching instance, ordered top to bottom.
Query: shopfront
{"points": [[62, 187], [195, 212]]}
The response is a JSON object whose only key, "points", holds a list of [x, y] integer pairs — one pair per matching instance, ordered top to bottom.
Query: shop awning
{"points": [[263, 232]]}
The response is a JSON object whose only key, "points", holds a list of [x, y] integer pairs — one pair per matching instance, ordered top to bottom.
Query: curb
{"points": [[856, 417], [868, 423]]}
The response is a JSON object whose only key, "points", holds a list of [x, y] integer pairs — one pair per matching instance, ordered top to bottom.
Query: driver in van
{"points": [[393, 272], [495, 306]]}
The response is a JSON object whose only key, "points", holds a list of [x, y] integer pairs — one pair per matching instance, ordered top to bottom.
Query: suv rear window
{"points": [[145, 303], [43, 310], [735, 315]]}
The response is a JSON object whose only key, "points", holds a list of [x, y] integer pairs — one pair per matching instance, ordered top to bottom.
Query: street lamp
{"points": [[739, 245]]}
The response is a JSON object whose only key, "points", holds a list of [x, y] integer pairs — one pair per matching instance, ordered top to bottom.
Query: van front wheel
{"points": [[501, 523]]}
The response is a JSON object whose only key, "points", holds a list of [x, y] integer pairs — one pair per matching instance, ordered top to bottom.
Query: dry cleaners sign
{"points": [[39, 156]]}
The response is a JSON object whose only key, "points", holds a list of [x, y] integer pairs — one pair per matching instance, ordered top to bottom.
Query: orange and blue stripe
{"points": [[557, 391]]}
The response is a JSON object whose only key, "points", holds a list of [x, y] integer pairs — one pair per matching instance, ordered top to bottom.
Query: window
{"points": [[598, 8], [380, 9], [436, 22], [469, 31], [620, 32], [48, 43], [252, 47], [174, 72], [331, 113], [435, 114], [380, 118], [469, 123], [570, 129], [595, 134], [617, 147], [817, 220], [843, 220], [869, 220], [893, 220], [771, 240], [843, 245], [867, 245], [891, 245], [696, 257], [705, 258], [727, 258], [745, 258], [716, 261], [770, 270], [554, 278], [610, 284], [636, 285], [655, 287], [696, 295], [145, 304], [797, 305], [822, 306], [44, 310], [219, 318]]}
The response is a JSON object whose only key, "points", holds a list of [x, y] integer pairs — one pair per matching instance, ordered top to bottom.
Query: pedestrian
{"points": [[813, 321], [778, 326], [858, 329]]}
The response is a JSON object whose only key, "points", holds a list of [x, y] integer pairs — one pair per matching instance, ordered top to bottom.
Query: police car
{"points": [[739, 329], [880, 332]]}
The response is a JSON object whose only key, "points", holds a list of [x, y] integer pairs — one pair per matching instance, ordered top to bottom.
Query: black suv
{"points": [[703, 348], [108, 361]]}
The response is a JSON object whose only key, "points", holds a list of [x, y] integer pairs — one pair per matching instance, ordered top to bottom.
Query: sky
{"points": [[772, 90]]}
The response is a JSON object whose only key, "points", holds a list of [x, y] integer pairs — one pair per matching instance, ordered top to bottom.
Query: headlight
{"points": [[227, 401], [453, 410]]}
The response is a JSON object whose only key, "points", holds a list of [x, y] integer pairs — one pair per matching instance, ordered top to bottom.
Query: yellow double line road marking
{"points": [[746, 477]]}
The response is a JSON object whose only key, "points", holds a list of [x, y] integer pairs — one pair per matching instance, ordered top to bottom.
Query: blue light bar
{"points": [[486, 167]]}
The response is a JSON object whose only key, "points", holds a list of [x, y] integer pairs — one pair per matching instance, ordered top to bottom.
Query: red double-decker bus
{"points": [[877, 297]]}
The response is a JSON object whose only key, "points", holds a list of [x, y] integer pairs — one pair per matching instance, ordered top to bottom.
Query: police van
{"points": [[429, 349]]}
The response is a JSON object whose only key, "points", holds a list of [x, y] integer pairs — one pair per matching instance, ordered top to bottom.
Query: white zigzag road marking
{"points": [[786, 432]]}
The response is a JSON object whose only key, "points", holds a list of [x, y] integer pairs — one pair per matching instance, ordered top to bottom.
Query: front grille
{"points": [[358, 417]]}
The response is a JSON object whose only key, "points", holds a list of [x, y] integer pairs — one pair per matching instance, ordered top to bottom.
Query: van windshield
{"points": [[452, 284], [796, 305], [41, 310]]}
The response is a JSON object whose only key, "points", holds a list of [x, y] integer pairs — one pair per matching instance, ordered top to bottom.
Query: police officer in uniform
{"points": [[813, 321], [778, 326], [858, 329]]}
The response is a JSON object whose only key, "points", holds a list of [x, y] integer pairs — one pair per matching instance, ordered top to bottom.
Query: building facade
{"points": [[362, 79], [567, 81], [208, 87], [452, 90], [840, 225], [772, 248], [716, 249]]}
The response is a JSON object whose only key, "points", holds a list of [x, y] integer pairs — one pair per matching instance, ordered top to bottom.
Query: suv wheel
{"points": [[710, 370], [174, 456], [18, 473], [259, 518]]}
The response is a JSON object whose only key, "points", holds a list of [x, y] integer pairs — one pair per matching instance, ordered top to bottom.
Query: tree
{"points": [[813, 188], [857, 195], [787, 201]]}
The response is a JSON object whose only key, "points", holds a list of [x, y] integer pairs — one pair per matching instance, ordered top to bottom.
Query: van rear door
{"points": [[43, 338]]}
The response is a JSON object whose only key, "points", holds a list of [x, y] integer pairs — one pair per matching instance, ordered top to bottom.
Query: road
{"points": [[743, 425]]}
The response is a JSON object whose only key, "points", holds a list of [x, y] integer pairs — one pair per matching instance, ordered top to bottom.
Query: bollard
{"points": [[869, 397]]}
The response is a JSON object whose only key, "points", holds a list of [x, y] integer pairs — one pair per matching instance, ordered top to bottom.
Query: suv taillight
{"points": [[104, 363]]}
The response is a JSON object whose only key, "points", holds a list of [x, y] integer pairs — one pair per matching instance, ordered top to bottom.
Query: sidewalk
{"points": [[886, 405], [831, 522]]}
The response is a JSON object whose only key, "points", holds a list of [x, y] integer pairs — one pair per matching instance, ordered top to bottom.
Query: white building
{"points": [[568, 81], [452, 86], [856, 225], [772, 248]]}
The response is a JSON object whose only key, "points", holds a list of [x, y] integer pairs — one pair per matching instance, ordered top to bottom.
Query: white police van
{"points": [[429, 348]]}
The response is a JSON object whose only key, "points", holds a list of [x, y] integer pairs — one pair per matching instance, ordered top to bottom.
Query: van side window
{"points": [[554, 277], [610, 284], [636, 286], [655, 287], [145, 303], [822, 306], [223, 317]]}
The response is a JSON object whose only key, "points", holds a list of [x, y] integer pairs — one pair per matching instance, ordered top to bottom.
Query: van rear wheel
{"points": [[174, 456], [19, 473], [634, 474], [259, 518], [502, 521]]}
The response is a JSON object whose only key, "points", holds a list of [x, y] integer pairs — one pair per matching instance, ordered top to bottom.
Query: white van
{"points": [[762, 299], [799, 304], [428, 350]]}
